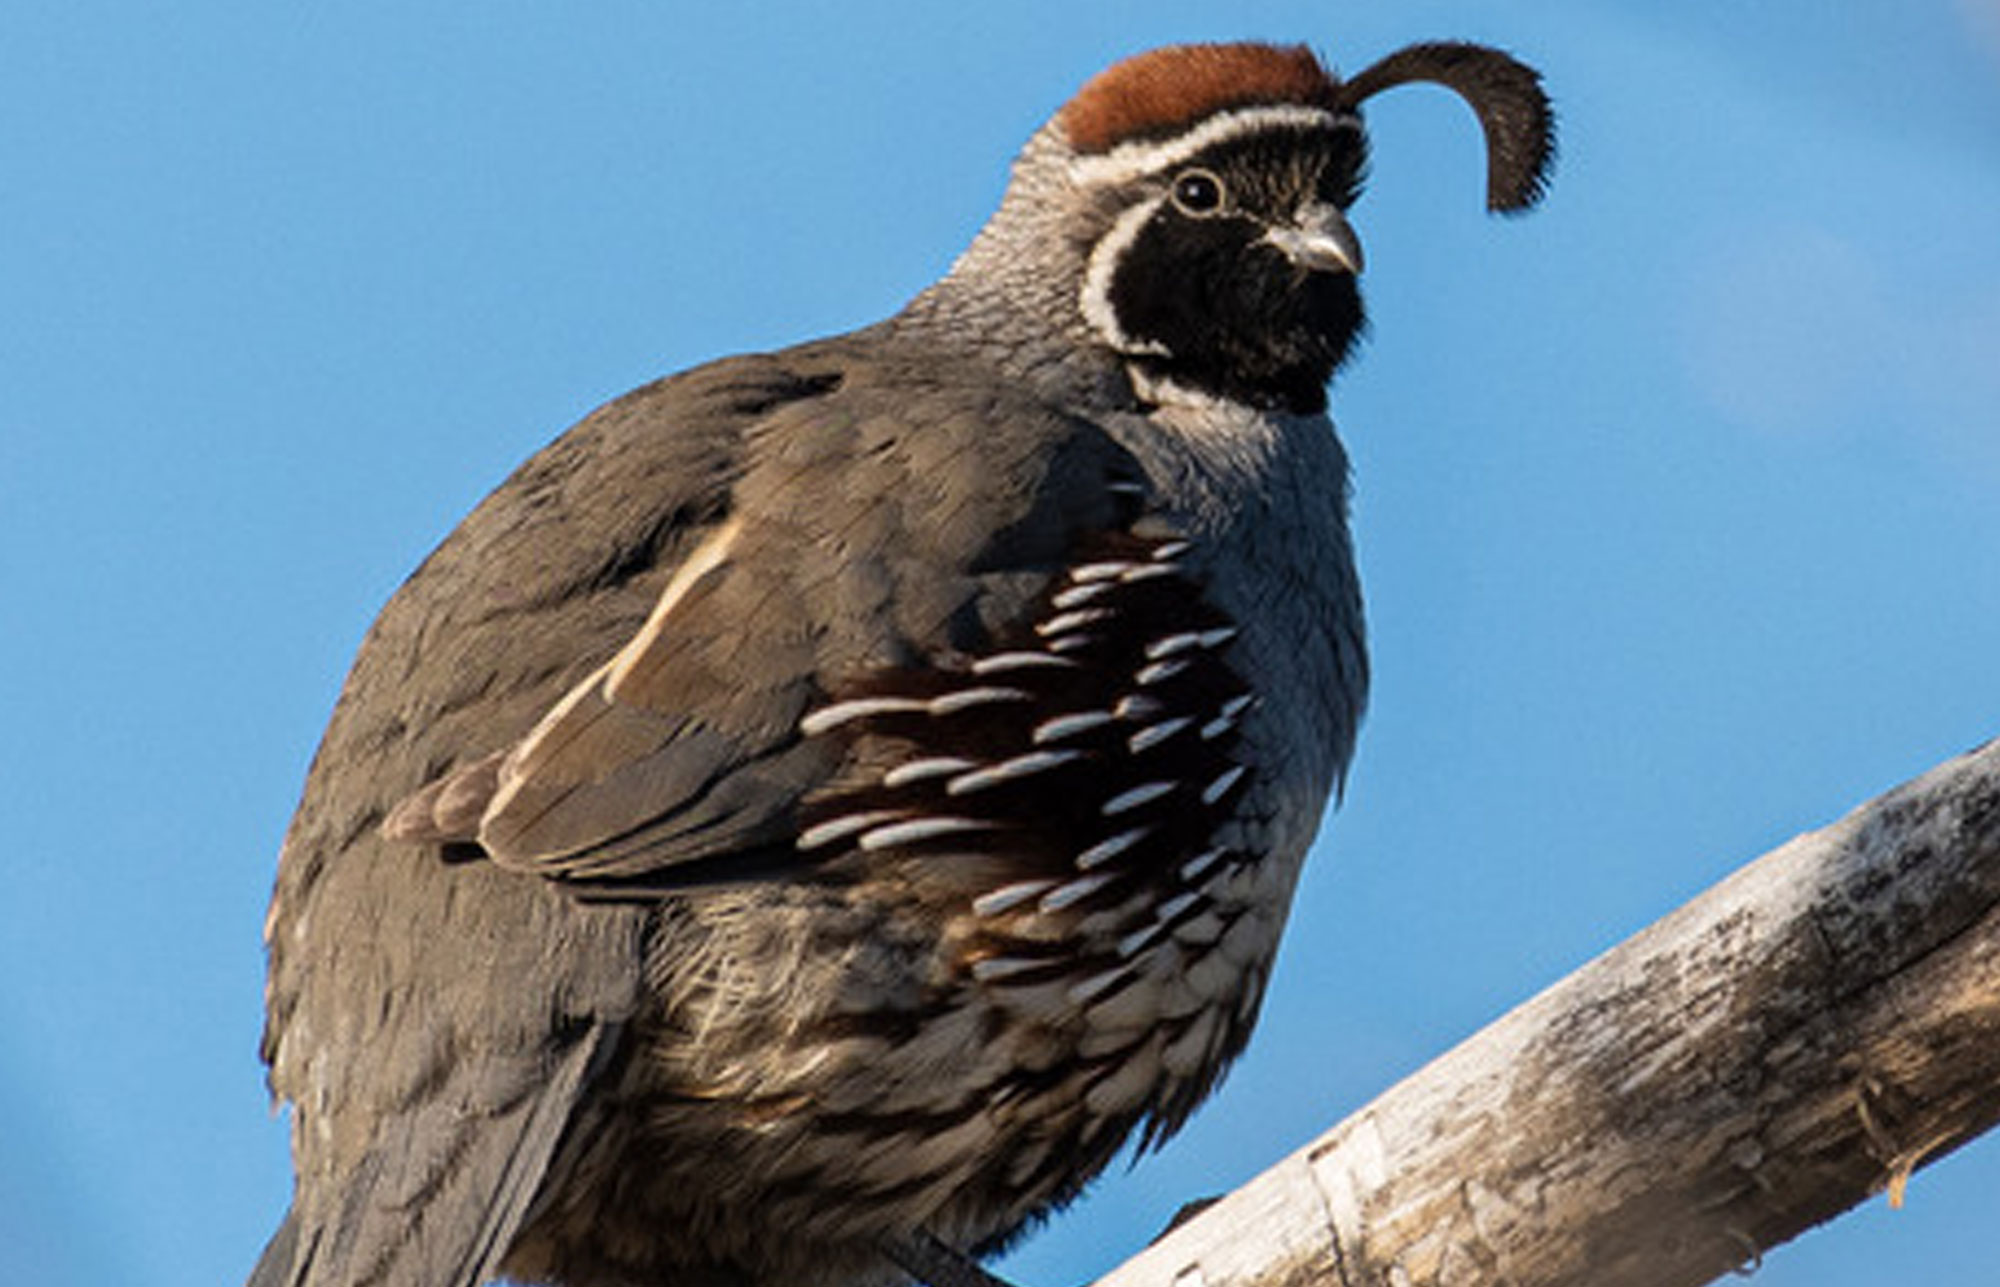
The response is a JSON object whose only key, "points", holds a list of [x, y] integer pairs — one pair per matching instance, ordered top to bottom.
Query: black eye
{"points": [[1198, 192]]}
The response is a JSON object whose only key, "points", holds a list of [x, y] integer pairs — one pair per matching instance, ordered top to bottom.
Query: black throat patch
{"points": [[1234, 314]]}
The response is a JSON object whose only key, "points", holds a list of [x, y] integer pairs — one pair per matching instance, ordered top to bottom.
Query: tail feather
{"points": [[441, 1201]]}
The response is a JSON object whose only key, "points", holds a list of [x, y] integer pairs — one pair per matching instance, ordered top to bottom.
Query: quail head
{"points": [[817, 810]]}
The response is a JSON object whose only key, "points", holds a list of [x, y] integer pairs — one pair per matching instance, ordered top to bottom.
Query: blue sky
{"points": [[1675, 500]]}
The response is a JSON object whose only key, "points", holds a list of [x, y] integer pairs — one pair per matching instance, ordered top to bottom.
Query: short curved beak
{"points": [[1320, 241]]}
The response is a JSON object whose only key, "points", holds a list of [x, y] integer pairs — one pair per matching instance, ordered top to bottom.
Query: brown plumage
{"points": [[808, 818]]}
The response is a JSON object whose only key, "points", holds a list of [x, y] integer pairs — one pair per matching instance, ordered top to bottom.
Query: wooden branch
{"points": [[1801, 1036]]}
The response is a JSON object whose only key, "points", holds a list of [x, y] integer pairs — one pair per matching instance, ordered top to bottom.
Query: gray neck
{"points": [[1012, 298]]}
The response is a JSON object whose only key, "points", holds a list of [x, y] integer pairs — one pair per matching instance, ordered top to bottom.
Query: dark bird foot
{"points": [[1188, 1211], [934, 1264]]}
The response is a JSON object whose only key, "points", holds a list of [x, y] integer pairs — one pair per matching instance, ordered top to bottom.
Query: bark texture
{"points": [[1800, 1037]]}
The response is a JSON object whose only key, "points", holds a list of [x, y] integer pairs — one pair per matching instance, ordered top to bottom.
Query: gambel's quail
{"points": [[812, 814]]}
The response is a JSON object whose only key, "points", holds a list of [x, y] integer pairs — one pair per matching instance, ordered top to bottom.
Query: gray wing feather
{"points": [[866, 532], [567, 672], [433, 1024]]}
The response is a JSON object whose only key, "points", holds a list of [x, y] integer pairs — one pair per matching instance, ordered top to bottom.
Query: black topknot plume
{"points": [[1506, 94]]}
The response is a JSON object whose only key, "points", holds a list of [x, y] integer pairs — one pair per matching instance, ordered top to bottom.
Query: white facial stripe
{"points": [[1129, 161], [1095, 298]]}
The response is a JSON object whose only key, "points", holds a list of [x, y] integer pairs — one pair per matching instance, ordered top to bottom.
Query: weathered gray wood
{"points": [[1801, 1036]]}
